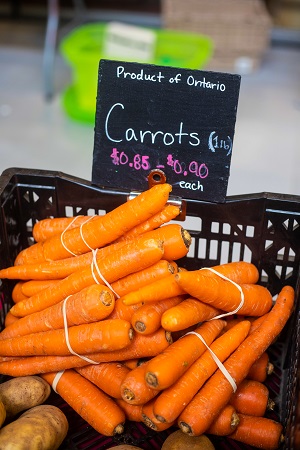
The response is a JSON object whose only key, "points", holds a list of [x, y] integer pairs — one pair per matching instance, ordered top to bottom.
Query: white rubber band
{"points": [[81, 233], [62, 235], [95, 265], [236, 285], [90, 361], [217, 361], [56, 379]]}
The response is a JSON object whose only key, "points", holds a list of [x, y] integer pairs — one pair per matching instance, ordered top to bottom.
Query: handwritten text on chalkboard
{"points": [[177, 120]]}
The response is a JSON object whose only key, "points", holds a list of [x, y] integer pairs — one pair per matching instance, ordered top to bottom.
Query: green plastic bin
{"points": [[82, 50]]}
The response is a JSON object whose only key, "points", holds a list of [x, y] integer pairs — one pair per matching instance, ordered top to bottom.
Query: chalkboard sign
{"points": [[180, 121]]}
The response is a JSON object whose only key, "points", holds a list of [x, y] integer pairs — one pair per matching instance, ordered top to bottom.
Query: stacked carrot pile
{"points": [[104, 313]]}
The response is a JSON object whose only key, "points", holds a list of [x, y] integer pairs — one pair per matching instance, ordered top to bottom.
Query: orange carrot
{"points": [[169, 212], [49, 227], [100, 231], [175, 239], [131, 257], [52, 270], [240, 272], [138, 279], [32, 287], [153, 292], [17, 294], [224, 295], [90, 304], [122, 311], [187, 313], [147, 318], [9, 319], [233, 320], [257, 322], [105, 335], [142, 346], [134, 363], [167, 367], [261, 368], [107, 376], [134, 388], [215, 394], [252, 398], [173, 400], [93, 405], [132, 412], [149, 419], [225, 423], [260, 432]]}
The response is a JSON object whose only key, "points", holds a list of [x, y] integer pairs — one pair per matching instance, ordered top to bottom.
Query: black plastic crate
{"points": [[261, 228]]}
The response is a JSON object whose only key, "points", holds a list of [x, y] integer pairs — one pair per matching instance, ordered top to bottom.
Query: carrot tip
{"points": [[160, 418], [185, 428]]}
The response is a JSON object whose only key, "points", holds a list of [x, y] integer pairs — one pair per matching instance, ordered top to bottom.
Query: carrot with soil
{"points": [[100, 231], [133, 256], [224, 295], [91, 304], [104, 335], [142, 346], [167, 367], [215, 394], [172, 401], [93, 405]]}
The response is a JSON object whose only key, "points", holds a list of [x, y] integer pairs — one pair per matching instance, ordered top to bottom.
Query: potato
{"points": [[21, 393], [2, 413], [43, 427], [182, 441]]}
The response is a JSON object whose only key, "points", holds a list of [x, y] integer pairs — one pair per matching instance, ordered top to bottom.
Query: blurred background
{"points": [[48, 51]]}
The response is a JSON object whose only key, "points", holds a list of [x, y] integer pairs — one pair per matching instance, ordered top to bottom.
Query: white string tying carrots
{"points": [[70, 224], [62, 235], [94, 252], [94, 265], [236, 285], [214, 356], [85, 358], [217, 361], [56, 379]]}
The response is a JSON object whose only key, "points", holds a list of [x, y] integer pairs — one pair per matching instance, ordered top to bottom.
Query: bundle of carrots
{"points": [[102, 298]]}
